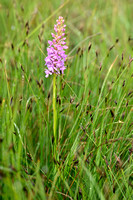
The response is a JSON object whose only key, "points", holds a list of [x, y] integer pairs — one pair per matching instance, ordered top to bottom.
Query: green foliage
{"points": [[94, 101]]}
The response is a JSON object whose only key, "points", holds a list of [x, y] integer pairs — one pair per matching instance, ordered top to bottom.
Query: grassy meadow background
{"points": [[94, 101]]}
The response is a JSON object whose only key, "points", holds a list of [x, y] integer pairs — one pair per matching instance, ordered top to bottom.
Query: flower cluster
{"points": [[56, 53]]}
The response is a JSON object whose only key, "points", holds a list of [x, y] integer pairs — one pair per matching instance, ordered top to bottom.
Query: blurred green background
{"points": [[112, 18], [95, 114]]}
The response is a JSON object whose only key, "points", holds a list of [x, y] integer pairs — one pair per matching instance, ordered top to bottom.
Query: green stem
{"points": [[54, 114]]}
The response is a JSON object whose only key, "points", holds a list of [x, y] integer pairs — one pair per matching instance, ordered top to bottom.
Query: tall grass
{"points": [[94, 102]]}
